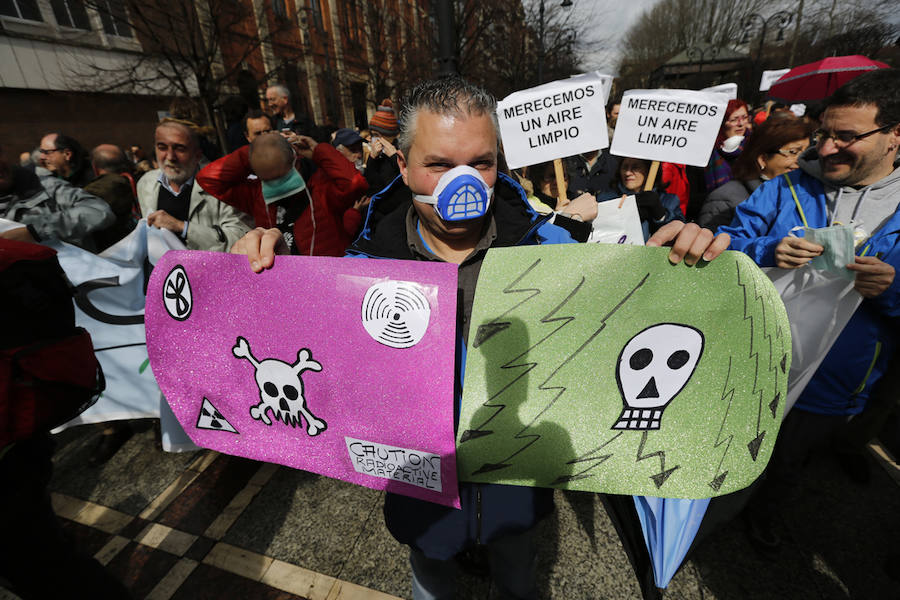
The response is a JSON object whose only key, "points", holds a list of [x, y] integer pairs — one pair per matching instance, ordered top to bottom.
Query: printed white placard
{"points": [[554, 120], [678, 126]]}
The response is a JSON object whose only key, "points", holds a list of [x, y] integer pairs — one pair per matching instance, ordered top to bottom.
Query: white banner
{"points": [[770, 77], [729, 90], [554, 120], [678, 126], [6, 225], [109, 302], [818, 304]]}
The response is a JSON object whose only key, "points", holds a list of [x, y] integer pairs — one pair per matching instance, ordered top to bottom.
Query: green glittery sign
{"points": [[605, 368]]}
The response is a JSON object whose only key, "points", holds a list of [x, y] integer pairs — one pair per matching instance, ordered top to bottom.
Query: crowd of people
{"points": [[289, 187]]}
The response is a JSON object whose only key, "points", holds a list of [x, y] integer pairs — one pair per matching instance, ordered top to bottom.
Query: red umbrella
{"points": [[820, 79]]}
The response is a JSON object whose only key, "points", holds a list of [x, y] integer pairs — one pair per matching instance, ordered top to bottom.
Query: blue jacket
{"points": [[670, 202], [860, 355], [488, 511]]}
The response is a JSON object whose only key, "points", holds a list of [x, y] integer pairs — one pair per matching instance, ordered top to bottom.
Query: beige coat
{"points": [[213, 225]]}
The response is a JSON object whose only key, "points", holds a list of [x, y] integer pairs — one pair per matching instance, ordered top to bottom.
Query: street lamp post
{"points": [[781, 19], [446, 38], [696, 51], [540, 62]]}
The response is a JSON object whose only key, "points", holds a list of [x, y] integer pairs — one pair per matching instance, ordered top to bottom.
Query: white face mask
{"points": [[731, 144], [460, 194], [838, 242]]}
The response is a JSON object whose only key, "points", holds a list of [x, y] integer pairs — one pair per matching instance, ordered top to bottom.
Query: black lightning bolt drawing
{"points": [[497, 324], [515, 363], [559, 390], [727, 394], [753, 445], [596, 459], [659, 478]]}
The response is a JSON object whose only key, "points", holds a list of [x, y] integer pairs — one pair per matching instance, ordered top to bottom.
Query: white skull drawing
{"points": [[653, 368], [281, 388]]}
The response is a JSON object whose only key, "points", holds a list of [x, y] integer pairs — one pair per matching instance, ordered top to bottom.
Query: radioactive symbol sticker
{"points": [[211, 418]]}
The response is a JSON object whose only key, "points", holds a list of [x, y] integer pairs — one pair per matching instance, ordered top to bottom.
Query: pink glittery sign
{"points": [[338, 366]]}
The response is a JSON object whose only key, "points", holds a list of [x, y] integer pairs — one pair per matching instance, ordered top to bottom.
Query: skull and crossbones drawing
{"points": [[281, 388]]}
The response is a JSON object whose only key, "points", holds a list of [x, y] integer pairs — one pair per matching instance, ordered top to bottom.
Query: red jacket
{"points": [[674, 176], [334, 187]]}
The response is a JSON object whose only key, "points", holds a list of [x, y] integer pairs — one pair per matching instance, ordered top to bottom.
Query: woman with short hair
{"points": [[773, 150]]}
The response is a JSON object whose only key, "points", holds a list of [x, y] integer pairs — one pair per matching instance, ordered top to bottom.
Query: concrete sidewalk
{"points": [[205, 525]]}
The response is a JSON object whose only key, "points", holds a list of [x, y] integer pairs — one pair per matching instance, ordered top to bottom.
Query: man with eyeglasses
{"points": [[65, 157], [853, 179], [49, 207]]}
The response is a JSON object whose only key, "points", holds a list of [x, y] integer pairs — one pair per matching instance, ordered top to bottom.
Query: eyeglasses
{"points": [[738, 119], [845, 138], [50, 151], [789, 153]]}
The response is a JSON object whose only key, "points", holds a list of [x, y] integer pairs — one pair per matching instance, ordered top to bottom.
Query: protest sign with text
{"points": [[770, 77], [728, 89], [554, 120], [678, 126], [347, 373]]}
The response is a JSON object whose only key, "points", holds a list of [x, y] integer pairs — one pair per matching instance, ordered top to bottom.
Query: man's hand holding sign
{"points": [[447, 132], [690, 243]]}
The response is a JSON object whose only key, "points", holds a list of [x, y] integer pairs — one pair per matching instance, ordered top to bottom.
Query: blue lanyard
{"points": [[419, 231]]}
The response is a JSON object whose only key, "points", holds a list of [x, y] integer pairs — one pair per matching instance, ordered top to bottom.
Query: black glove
{"points": [[649, 207], [579, 230]]}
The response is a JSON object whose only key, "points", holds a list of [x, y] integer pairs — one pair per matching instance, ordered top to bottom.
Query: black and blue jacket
{"points": [[488, 511]]}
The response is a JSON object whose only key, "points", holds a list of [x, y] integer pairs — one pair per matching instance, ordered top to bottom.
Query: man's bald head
{"points": [[271, 156], [108, 158]]}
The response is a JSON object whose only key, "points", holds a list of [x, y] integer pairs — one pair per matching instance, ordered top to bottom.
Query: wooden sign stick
{"points": [[651, 176], [561, 197]]}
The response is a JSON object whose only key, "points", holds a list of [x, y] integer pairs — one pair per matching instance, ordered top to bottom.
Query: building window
{"points": [[21, 9], [279, 9], [71, 13], [316, 14], [114, 17], [351, 21]]}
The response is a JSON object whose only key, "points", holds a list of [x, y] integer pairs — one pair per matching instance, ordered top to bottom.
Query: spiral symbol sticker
{"points": [[177, 294], [396, 313]]}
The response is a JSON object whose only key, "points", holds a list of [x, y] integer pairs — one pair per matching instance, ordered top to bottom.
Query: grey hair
{"points": [[281, 89], [446, 96], [188, 126], [275, 142]]}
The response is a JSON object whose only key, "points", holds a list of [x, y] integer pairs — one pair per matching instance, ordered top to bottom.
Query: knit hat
{"points": [[384, 121]]}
